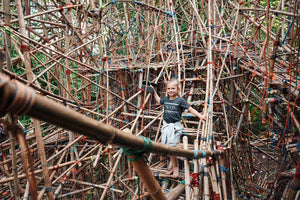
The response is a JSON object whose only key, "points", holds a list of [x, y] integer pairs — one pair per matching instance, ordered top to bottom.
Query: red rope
{"points": [[195, 181]]}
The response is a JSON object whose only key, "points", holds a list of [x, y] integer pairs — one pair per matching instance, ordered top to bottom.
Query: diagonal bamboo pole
{"points": [[27, 163], [112, 172], [148, 179]]}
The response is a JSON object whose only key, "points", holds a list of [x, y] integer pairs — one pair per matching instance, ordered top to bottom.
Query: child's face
{"points": [[172, 90]]}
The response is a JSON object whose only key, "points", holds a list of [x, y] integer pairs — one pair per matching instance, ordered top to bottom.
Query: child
{"points": [[171, 130]]}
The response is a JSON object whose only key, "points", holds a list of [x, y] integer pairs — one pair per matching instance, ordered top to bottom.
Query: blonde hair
{"points": [[173, 80]]}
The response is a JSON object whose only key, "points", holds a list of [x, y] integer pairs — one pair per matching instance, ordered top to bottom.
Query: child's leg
{"points": [[175, 166], [170, 167]]}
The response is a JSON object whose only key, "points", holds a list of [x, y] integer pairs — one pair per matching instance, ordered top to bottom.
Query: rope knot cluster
{"points": [[139, 153]]}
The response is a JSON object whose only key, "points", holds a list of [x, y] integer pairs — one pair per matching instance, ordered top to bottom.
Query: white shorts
{"points": [[171, 133]]}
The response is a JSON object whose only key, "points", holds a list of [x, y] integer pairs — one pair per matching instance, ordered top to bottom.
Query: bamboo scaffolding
{"points": [[233, 62]]}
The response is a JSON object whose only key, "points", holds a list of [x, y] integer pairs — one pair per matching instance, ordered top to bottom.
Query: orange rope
{"points": [[291, 79]]}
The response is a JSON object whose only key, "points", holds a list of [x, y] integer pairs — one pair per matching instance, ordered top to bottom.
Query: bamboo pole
{"points": [[7, 41], [7, 47], [83, 64], [52, 112], [36, 123], [14, 161], [27, 163], [73, 165], [196, 167], [54, 168], [186, 171], [53, 173], [111, 176], [223, 177], [148, 179], [94, 185], [294, 185], [177, 191], [75, 192], [26, 193]]}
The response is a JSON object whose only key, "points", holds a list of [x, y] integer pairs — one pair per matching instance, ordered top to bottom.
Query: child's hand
{"points": [[148, 89], [202, 117]]}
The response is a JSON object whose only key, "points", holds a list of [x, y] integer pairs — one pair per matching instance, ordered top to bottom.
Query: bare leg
{"points": [[175, 166], [170, 169]]}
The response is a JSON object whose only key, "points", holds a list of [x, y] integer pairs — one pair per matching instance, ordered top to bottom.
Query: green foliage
{"points": [[184, 27], [25, 121], [256, 121]]}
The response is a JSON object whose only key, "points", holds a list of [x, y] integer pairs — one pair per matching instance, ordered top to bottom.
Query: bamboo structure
{"points": [[71, 76]]}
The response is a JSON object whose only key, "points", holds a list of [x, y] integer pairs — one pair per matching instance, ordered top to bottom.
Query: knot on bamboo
{"points": [[19, 103], [138, 154], [195, 179], [294, 187]]}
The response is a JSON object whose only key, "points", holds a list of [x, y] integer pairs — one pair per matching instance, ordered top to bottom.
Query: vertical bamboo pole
{"points": [[283, 25], [158, 33], [176, 35], [68, 38], [7, 42], [7, 47], [210, 77], [139, 103], [265, 111], [36, 123], [40, 145], [14, 161], [196, 169], [186, 171], [223, 177], [26, 193], [205, 194]]}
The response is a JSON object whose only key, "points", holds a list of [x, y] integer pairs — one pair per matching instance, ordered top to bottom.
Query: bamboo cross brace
{"points": [[73, 165], [54, 168], [111, 176]]}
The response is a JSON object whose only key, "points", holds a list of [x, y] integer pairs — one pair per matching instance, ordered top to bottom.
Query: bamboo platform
{"points": [[72, 107]]}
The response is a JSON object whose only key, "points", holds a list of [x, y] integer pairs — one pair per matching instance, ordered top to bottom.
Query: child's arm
{"points": [[156, 97], [197, 114]]}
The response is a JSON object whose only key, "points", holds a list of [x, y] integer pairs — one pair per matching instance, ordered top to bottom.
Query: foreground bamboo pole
{"points": [[40, 107], [147, 177], [295, 184]]}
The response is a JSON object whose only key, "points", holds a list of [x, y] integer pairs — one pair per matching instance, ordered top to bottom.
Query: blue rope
{"points": [[196, 154]]}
